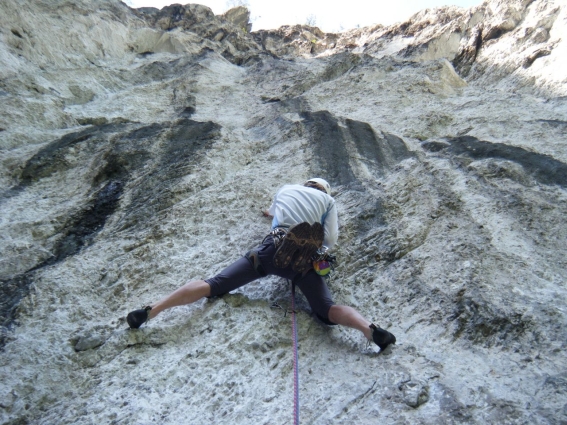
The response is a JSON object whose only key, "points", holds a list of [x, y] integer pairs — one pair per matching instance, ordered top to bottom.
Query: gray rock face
{"points": [[239, 16], [139, 147], [87, 342]]}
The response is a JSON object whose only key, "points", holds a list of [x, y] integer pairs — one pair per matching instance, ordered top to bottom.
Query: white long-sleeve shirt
{"points": [[294, 204]]}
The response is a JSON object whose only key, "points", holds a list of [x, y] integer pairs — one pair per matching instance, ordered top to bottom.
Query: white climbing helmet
{"points": [[322, 183]]}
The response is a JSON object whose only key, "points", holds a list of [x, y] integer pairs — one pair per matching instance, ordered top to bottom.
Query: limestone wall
{"points": [[139, 147]]}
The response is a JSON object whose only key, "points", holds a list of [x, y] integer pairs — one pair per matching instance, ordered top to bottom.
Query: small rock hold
{"points": [[87, 342], [415, 393], [268, 398]]}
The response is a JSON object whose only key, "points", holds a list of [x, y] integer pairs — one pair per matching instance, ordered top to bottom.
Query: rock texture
{"points": [[138, 148]]}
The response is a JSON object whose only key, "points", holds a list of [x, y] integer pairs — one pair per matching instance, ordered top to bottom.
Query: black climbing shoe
{"points": [[137, 318], [381, 337]]}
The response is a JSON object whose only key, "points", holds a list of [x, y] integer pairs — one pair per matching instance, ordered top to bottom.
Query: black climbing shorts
{"points": [[242, 272]]}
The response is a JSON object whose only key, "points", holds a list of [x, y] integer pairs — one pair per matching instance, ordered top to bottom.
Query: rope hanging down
{"points": [[295, 356], [295, 360]]}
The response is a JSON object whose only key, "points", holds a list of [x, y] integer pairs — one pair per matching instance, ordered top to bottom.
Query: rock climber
{"points": [[304, 227]]}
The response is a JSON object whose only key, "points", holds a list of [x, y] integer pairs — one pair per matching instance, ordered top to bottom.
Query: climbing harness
{"points": [[278, 235]]}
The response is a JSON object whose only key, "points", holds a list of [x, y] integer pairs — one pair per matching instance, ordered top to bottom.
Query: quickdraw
{"points": [[277, 234]]}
